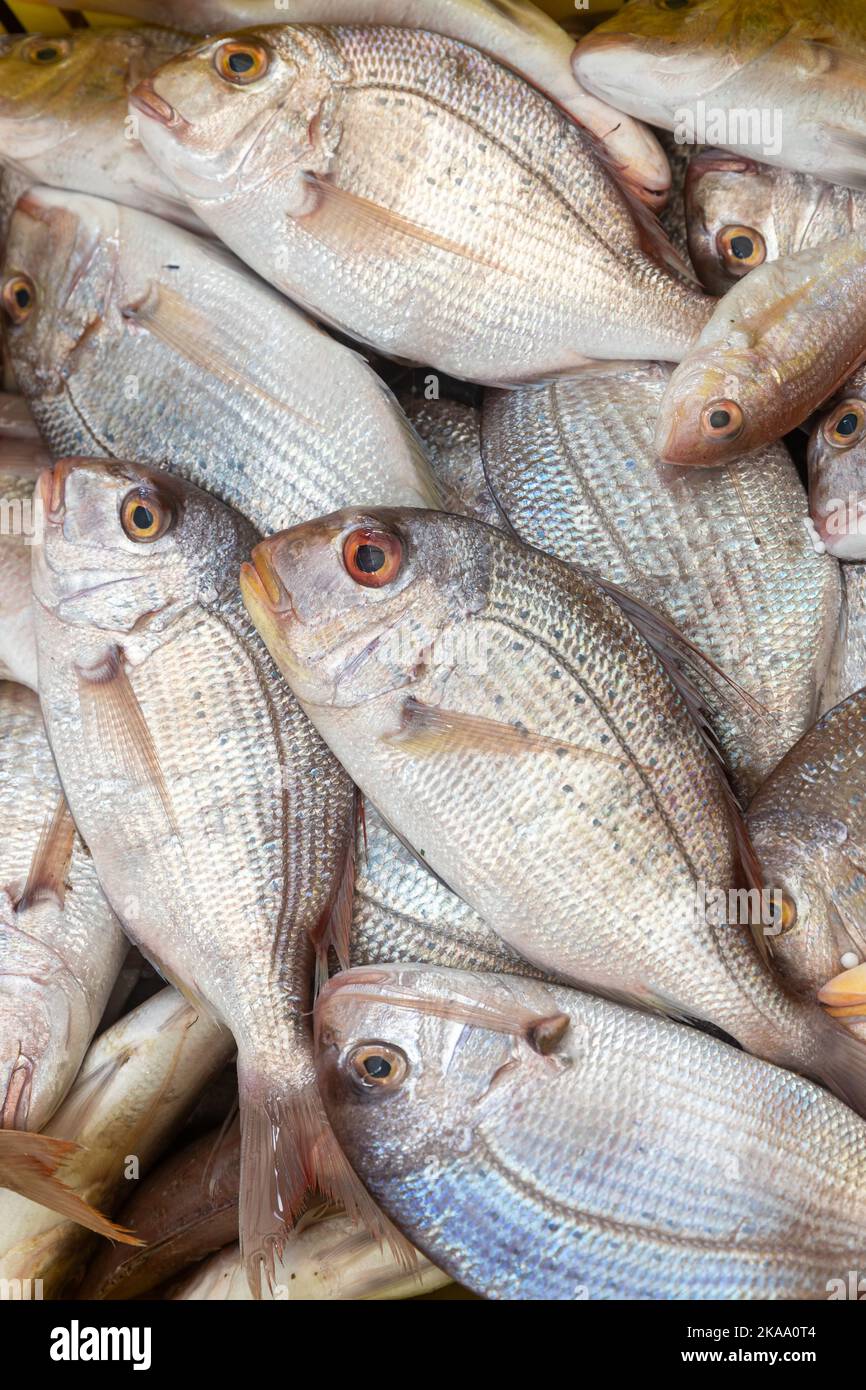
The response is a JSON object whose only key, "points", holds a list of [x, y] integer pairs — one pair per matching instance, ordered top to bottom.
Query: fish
{"points": [[516, 33], [782, 82], [64, 114], [404, 175], [741, 213], [673, 215], [144, 342], [779, 343], [451, 434], [835, 463], [573, 468], [17, 522], [847, 670], [502, 712], [221, 826], [808, 827], [401, 911], [61, 946], [138, 1080], [569, 1170], [185, 1210], [326, 1259]]}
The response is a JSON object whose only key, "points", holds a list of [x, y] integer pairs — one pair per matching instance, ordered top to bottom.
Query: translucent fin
{"points": [[110, 705], [51, 859], [334, 930], [841, 1063], [287, 1149], [28, 1166]]}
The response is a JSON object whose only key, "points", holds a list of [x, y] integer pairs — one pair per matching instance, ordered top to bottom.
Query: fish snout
{"points": [[146, 100]]}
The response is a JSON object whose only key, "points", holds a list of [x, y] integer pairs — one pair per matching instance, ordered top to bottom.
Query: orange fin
{"points": [[364, 213], [110, 705], [427, 729], [51, 859], [334, 930], [846, 991], [288, 1148], [28, 1166]]}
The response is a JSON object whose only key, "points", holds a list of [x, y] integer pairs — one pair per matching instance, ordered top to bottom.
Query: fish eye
{"points": [[673, 4], [43, 52], [241, 63], [741, 248], [19, 298], [721, 421], [846, 425], [144, 516], [372, 558], [784, 910], [377, 1066]]}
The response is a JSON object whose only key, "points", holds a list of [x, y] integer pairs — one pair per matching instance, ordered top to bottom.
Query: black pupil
{"points": [[676, 4], [46, 55], [241, 62], [743, 247], [22, 297], [719, 419], [848, 423], [142, 518], [370, 559], [377, 1067]]}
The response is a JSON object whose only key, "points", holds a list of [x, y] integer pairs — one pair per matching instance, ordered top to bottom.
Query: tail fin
{"points": [[841, 1063], [289, 1149], [28, 1166]]}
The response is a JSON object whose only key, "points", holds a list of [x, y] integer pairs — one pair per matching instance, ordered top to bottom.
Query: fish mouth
{"points": [[146, 99], [52, 489], [259, 578], [845, 995]]}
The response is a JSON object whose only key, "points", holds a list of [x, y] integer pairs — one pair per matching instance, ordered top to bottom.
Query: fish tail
{"points": [[842, 1063], [288, 1149], [28, 1166]]}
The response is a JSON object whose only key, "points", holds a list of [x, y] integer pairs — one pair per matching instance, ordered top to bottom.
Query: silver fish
{"points": [[451, 434]]}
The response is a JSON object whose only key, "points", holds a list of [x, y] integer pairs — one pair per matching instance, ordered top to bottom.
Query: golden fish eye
{"points": [[43, 52], [241, 63], [741, 248], [19, 297], [721, 420], [845, 425], [145, 517], [371, 557], [784, 910], [377, 1066]]}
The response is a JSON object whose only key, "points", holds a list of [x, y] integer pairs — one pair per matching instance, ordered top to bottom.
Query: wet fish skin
{"points": [[517, 34], [792, 73], [66, 122], [370, 168], [779, 211], [779, 343], [229, 383], [451, 434], [835, 462], [572, 466], [17, 639], [847, 670], [527, 768], [223, 842], [61, 946], [137, 1082], [574, 1174]]}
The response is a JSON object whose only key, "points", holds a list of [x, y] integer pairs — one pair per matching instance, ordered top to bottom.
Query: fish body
{"points": [[781, 82], [64, 117], [404, 176], [741, 213], [144, 342], [779, 343], [451, 434], [835, 462], [726, 556], [17, 639], [847, 670], [504, 716], [222, 827], [809, 828], [61, 946], [138, 1081], [632, 1159]]}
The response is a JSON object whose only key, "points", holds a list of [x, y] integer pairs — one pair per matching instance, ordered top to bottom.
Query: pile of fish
{"points": [[432, 706]]}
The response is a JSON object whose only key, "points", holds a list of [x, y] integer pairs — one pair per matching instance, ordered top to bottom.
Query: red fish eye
{"points": [[721, 420], [372, 557]]}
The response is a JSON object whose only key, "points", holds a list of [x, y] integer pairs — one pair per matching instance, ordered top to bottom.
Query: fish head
{"points": [[655, 57], [222, 117], [729, 217], [59, 285], [711, 411], [837, 473], [127, 549], [353, 605], [407, 1052]]}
